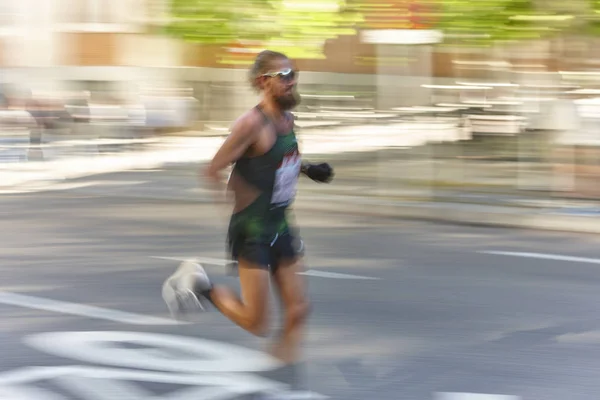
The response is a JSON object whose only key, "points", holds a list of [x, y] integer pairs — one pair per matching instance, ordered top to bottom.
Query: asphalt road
{"points": [[442, 314]]}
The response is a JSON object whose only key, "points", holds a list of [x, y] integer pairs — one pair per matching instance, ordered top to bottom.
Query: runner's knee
{"points": [[298, 313], [257, 320], [258, 325]]}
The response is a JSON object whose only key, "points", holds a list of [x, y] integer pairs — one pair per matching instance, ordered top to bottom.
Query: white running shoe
{"points": [[179, 290]]}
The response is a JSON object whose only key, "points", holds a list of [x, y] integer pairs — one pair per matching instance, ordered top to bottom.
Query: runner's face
{"points": [[281, 83]]}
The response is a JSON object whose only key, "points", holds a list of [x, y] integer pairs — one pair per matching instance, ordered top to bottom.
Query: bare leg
{"points": [[291, 287], [249, 312]]}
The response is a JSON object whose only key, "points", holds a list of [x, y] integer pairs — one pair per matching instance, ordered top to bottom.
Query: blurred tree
{"points": [[396, 14], [589, 14], [486, 22], [297, 27], [300, 28]]}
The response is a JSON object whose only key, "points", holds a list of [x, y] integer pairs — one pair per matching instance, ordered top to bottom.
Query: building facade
{"points": [[97, 44]]}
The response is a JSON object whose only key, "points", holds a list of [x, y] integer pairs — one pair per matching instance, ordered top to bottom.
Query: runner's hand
{"points": [[318, 172]]}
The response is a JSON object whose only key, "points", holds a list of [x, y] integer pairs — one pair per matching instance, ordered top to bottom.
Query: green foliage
{"points": [[592, 19], [221, 22], [486, 22], [298, 28]]}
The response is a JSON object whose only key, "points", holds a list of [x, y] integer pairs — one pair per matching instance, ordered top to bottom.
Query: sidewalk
{"points": [[186, 148]]}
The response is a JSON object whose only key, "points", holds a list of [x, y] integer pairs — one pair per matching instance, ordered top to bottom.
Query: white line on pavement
{"points": [[47, 186], [55, 187], [543, 256], [201, 260], [312, 272], [336, 275], [63, 307], [34, 374], [29, 375], [473, 396]]}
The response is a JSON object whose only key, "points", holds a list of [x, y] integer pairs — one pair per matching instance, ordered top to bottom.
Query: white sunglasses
{"points": [[287, 74]]}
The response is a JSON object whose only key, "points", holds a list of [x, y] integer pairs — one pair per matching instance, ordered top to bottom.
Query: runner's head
{"points": [[273, 74]]}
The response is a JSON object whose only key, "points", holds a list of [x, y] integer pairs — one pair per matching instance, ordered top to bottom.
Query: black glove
{"points": [[318, 172]]}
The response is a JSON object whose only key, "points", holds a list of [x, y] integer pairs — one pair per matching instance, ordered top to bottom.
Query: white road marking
{"points": [[118, 183], [47, 186], [55, 187], [544, 256], [200, 260], [312, 272], [335, 275], [64, 307], [590, 337], [167, 353], [209, 369], [35, 374], [28, 375], [93, 388], [28, 393], [473, 396]]}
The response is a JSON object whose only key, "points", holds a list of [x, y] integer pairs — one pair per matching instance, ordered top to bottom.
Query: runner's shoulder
{"points": [[248, 123]]}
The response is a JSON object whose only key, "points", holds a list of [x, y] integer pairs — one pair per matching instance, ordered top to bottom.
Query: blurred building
{"points": [[49, 42], [116, 46]]}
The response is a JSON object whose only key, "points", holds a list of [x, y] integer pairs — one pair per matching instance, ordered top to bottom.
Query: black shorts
{"points": [[263, 236], [285, 246], [263, 247]]}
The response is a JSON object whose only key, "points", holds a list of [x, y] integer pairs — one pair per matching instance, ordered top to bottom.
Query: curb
{"points": [[450, 213], [458, 214]]}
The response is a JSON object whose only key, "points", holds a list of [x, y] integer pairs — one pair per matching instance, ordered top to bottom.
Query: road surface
{"points": [[402, 310]]}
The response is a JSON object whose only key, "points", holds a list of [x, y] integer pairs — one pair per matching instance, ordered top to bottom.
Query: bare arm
{"points": [[242, 136]]}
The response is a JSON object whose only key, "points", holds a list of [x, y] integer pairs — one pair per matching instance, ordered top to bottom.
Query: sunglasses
{"points": [[286, 75]]}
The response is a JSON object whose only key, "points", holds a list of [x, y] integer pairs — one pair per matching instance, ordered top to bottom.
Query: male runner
{"points": [[266, 162]]}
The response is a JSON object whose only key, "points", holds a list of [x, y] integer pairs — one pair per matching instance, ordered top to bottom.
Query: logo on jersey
{"points": [[286, 178]]}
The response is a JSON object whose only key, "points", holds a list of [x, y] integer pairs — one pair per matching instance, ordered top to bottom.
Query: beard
{"points": [[288, 101]]}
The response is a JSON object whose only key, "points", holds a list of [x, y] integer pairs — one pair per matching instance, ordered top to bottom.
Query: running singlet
{"points": [[275, 174], [260, 233]]}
